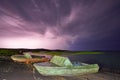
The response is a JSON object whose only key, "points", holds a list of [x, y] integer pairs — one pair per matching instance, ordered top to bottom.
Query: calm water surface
{"points": [[106, 60]]}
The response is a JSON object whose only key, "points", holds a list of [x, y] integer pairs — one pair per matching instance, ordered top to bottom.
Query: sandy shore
{"points": [[10, 70]]}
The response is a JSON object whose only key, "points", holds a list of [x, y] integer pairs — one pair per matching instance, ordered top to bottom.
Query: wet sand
{"points": [[10, 70]]}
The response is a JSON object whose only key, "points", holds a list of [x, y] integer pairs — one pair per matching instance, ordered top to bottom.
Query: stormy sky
{"points": [[60, 24]]}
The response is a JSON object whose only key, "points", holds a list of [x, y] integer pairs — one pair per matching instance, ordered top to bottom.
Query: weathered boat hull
{"points": [[19, 58], [22, 58], [47, 69]]}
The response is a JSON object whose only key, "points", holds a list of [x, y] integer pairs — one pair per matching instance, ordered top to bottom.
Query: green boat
{"points": [[28, 58], [62, 66]]}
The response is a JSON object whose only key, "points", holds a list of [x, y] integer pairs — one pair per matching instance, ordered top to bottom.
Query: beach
{"points": [[10, 70]]}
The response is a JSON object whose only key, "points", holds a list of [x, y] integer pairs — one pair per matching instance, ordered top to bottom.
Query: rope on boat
{"points": [[34, 74], [35, 78]]}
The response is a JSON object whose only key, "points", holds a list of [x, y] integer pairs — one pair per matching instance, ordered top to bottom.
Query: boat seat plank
{"points": [[47, 64]]}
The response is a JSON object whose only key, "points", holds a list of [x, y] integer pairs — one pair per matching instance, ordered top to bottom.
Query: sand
{"points": [[10, 70]]}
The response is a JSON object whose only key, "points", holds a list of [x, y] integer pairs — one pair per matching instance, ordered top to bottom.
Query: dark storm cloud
{"points": [[77, 20], [95, 20]]}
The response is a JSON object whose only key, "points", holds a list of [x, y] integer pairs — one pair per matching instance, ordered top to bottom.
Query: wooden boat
{"points": [[28, 58], [62, 66]]}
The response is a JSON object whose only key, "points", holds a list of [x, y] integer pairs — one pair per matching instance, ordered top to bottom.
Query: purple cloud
{"points": [[43, 23]]}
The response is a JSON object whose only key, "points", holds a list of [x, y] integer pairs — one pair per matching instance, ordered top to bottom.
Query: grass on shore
{"points": [[9, 52]]}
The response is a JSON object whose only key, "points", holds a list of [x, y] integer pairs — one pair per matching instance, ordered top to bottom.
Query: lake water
{"points": [[109, 60]]}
